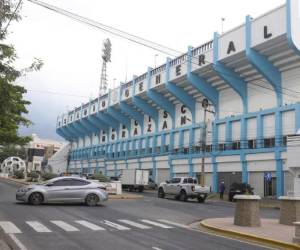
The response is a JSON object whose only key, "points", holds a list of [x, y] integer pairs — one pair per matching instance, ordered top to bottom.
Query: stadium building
{"points": [[250, 76]]}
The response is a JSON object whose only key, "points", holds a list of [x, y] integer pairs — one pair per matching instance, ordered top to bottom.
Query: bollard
{"points": [[289, 210], [247, 211], [296, 239]]}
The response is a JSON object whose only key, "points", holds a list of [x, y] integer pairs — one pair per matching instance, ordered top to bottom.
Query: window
{"points": [[85, 112], [284, 140], [269, 142], [251, 144], [236, 145], [221, 147], [166, 148], [208, 148], [157, 149], [196, 149], [185, 150], [175, 180], [192, 181], [65, 182], [74, 182]]}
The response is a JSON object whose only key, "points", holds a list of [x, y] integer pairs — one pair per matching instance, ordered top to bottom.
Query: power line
{"points": [[11, 17], [106, 28], [144, 42], [55, 93]]}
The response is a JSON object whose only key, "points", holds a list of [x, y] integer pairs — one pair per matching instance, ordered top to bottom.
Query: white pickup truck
{"points": [[183, 188]]}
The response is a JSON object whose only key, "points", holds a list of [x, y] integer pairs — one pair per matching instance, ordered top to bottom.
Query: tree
{"points": [[12, 103], [12, 150]]}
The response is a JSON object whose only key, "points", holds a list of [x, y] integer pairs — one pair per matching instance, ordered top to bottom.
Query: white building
{"points": [[251, 77], [36, 151], [58, 163]]}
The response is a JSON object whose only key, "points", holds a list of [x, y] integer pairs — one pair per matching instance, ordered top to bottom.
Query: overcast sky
{"points": [[71, 51]]}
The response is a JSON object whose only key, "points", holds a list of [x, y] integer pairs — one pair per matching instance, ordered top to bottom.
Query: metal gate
{"points": [[229, 178]]}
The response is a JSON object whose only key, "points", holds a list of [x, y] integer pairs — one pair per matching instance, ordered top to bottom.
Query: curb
{"points": [[14, 181], [125, 197], [7, 240], [275, 243]]}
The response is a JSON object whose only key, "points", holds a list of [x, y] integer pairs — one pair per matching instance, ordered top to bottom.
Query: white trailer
{"points": [[134, 179]]}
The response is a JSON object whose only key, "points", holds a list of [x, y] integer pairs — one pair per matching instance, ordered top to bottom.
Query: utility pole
{"points": [[205, 105]]}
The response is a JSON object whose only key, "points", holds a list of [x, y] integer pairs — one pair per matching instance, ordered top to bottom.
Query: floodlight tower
{"points": [[106, 55]]}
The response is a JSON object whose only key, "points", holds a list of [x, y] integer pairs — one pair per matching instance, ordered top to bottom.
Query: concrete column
{"points": [[289, 210], [247, 211], [296, 239]]}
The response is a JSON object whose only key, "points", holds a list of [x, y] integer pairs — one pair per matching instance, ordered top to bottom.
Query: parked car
{"points": [[183, 188], [239, 188], [63, 189]]}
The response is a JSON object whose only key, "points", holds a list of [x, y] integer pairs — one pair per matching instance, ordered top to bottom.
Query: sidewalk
{"points": [[270, 232]]}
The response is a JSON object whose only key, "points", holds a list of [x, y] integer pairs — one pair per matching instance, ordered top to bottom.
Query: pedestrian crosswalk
{"points": [[81, 225]]}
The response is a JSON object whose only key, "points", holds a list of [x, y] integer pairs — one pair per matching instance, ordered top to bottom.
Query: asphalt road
{"points": [[77, 227]]}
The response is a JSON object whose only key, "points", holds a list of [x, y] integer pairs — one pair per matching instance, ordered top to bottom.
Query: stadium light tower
{"points": [[106, 57]]}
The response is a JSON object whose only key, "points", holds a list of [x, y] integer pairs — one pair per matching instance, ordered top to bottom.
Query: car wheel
{"points": [[161, 193], [183, 196], [36, 199], [92, 200]]}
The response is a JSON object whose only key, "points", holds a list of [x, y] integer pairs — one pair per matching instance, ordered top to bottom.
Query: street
{"points": [[148, 223]]}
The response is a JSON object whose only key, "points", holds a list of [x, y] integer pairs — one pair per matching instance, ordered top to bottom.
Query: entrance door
{"points": [[229, 178], [270, 187]]}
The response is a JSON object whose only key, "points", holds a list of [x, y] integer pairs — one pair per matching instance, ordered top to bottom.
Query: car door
{"points": [[174, 185], [168, 186], [78, 188], [58, 190]]}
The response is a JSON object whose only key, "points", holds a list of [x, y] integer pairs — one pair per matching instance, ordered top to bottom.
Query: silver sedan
{"points": [[63, 189]]}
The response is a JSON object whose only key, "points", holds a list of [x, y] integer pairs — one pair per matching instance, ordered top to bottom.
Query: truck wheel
{"points": [[141, 189], [161, 193], [183, 196], [201, 199]]}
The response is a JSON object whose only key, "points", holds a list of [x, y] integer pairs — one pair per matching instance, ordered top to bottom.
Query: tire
{"points": [[141, 189], [161, 193], [183, 196], [36, 199], [201, 199], [91, 200]]}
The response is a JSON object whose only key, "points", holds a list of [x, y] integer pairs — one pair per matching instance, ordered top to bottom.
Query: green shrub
{"points": [[19, 174], [33, 176], [48, 176], [99, 177]]}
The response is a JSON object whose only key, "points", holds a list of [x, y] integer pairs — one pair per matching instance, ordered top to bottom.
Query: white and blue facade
{"points": [[251, 77]]}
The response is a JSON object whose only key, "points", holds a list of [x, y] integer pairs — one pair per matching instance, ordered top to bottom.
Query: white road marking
{"points": [[174, 223], [135, 224], [156, 224], [89, 225], [115, 225], [65, 226], [9, 227], [38, 227], [18, 243], [156, 248]]}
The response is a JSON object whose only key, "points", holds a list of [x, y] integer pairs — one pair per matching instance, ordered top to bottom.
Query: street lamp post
{"points": [[205, 105], [203, 146]]}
